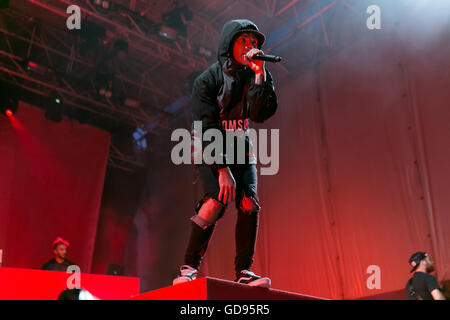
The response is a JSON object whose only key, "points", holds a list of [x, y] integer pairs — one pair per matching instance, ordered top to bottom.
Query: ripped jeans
{"points": [[247, 205]]}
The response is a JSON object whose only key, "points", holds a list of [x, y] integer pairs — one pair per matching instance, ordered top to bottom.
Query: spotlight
{"points": [[104, 4], [168, 33], [205, 52], [36, 68], [106, 90], [106, 93], [131, 103], [9, 105], [140, 139]]}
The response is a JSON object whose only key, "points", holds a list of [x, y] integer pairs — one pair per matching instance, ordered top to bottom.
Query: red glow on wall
{"points": [[14, 121]]}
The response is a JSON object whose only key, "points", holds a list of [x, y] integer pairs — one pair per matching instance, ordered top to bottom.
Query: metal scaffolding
{"points": [[154, 73], [69, 74]]}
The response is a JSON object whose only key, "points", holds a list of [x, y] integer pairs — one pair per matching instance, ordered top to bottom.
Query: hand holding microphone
{"points": [[263, 57], [256, 60], [258, 66]]}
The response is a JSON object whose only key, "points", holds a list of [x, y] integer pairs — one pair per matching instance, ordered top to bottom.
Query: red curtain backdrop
{"points": [[364, 168], [363, 177], [51, 184], [120, 199]]}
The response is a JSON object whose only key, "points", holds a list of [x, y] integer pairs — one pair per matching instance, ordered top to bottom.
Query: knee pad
{"points": [[249, 204], [208, 212]]}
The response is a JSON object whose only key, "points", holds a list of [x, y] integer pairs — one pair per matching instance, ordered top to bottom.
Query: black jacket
{"points": [[225, 95], [53, 265]]}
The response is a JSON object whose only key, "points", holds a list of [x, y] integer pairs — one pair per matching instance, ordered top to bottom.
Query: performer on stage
{"points": [[225, 96], [59, 262], [422, 286]]}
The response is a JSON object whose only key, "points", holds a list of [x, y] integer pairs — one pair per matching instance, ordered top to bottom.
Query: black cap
{"points": [[416, 258]]}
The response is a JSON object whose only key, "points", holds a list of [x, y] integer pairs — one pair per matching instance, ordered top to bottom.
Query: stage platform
{"points": [[31, 284], [217, 289]]}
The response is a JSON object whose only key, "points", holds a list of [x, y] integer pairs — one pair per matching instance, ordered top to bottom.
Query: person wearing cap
{"points": [[231, 92], [59, 262], [422, 286]]}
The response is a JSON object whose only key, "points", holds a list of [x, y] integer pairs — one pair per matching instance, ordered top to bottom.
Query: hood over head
{"points": [[230, 32]]}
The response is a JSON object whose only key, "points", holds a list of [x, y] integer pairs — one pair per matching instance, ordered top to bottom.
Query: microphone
{"points": [[265, 57]]}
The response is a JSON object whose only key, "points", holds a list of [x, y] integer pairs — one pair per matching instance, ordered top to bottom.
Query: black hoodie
{"points": [[225, 95]]}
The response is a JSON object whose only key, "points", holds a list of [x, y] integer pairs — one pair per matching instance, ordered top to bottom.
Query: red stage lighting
{"points": [[37, 68], [9, 100]]}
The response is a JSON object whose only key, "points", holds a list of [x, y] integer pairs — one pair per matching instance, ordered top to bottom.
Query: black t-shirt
{"points": [[52, 265], [423, 284]]}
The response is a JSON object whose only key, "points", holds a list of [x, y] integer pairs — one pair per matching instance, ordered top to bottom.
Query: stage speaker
{"points": [[4, 4], [115, 270]]}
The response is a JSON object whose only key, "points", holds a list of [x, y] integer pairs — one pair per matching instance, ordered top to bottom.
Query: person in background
{"points": [[59, 262], [422, 285]]}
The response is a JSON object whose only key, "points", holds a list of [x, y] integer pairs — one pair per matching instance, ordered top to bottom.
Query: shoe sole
{"points": [[180, 280], [262, 283]]}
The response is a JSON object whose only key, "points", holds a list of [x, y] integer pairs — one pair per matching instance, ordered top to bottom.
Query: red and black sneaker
{"points": [[248, 277]]}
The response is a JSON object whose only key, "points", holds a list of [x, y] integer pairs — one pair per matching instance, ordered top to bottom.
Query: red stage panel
{"points": [[29, 284], [217, 289], [194, 290], [392, 295]]}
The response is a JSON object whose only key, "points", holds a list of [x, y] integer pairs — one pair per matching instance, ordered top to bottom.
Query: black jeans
{"points": [[246, 229]]}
